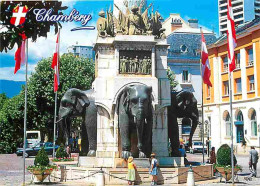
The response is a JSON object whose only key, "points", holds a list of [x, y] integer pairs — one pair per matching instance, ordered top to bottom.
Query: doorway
{"points": [[240, 133]]}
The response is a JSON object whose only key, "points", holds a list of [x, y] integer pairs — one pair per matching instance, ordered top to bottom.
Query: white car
{"points": [[197, 147]]}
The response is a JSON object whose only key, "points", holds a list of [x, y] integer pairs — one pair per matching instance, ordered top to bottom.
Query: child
{"points": [[153, 170], [131, 171]]}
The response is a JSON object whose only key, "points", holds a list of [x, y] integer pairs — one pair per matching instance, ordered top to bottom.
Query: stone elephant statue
{"points": [[78, 103], [183, 105], [134, 109]]}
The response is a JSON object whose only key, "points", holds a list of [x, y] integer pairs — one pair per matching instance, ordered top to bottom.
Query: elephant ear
{"points": [[123, 98]]}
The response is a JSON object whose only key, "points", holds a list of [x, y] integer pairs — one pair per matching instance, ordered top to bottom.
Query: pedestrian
{"points": [[79, 144], [68, 150], [182, 151], [212, 156], [253, 159], [154, 169], [131, 171]]}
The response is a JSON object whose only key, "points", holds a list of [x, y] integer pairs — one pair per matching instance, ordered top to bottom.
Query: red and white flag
{"points": [[231, 37], [20, 55], [205, 62], [55, 64]]}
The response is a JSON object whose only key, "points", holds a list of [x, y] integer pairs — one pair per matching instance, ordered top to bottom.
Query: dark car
{"points": [[48, 147]]}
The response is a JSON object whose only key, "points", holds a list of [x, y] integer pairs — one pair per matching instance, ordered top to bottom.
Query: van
{"points": [[33, 138]]}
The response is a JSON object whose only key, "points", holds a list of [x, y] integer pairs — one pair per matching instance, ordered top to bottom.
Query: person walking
{"points": [[212, 156], [253, 159], [153, 169], [131, 171]]}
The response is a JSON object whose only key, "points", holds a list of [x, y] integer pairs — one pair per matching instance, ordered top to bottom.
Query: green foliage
{"points": [[32, 28], [75, 72], [172, 78], [3, 99], [11, 124], [61, 153], [224, 156], [41, 158]]}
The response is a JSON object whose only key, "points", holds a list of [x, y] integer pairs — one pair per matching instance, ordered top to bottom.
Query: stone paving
{"points": [[11, 172]]}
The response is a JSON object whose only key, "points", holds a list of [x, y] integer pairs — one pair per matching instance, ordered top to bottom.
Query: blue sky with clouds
{"points": [[203, 10]]}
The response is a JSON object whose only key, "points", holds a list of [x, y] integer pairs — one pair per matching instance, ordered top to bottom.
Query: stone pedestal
{"points": [[110, 82]]}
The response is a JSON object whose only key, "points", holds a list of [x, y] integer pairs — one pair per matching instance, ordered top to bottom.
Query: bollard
{"points": [[62, 173], [190, 178], [100, 179]]}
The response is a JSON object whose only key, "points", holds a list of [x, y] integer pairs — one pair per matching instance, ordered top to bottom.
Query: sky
{"points": [[206, 11]]}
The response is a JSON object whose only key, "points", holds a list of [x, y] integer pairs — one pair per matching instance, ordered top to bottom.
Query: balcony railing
{"points": [[251, 63], [225, 68]]}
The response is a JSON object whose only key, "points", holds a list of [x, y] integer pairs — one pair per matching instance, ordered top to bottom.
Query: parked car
{"points": [[48, 147], [197, 147]]}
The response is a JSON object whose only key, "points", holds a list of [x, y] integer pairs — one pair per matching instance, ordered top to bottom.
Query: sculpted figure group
{"points": [[130, 23], [137, 65]]}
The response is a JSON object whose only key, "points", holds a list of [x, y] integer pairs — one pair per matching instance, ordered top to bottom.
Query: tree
{"points": [[31, 27], [75, 72], [172, 78], [3, 99], [11, 124]]}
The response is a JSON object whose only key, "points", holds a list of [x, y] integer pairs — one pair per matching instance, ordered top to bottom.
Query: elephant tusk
{"points": [[134, 119], [145, 121]]}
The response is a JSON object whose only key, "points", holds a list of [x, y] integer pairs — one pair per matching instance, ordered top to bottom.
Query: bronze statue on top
{"points": [[131, 23], [105, 24]]}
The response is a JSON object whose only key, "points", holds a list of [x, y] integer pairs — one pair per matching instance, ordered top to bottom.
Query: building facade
{"points": [[243, 10], [184, 39], [82, 51], [245, 85]]}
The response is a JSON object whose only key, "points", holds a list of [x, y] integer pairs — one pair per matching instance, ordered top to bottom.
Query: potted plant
{"points": [[61, 155], [223, 165], [41, 168]]}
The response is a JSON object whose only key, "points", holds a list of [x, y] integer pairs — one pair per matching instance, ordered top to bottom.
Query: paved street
{"points": [[11, 171]]}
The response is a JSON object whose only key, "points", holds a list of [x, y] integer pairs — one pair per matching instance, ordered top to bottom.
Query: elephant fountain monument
{"points": [[131, 109]]}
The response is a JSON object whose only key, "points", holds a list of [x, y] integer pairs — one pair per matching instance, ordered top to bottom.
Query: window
{"points": [[237, 60], [250, 61], [225, 64], [185, 76], [251, 83], [238, 85], [226, 88], [208, 91], [240, 116], [253, 124], [228, 125], [209, 128]]}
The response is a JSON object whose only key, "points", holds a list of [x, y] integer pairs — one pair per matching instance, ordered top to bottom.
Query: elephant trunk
{"points": [[139, 116]]}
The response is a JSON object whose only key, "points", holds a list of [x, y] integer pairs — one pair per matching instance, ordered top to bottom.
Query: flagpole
{"points": [[55, 108], [202, 109], [25, 111], [202, 115], [231, 116], [54, 128]]}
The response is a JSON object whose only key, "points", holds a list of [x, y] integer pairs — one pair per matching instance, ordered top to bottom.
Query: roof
{"points": [[243, 28], [186, 46]]}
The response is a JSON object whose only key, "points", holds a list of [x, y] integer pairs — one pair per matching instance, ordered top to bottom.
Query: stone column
{"points": [[153, 62], [160, 133]]}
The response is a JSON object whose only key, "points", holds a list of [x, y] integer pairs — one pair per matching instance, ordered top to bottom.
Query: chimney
{"points": [[193, 23], [175, 24]]}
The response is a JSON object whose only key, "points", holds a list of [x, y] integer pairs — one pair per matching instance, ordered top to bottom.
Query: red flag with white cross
{"points": [[19, 14]]}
